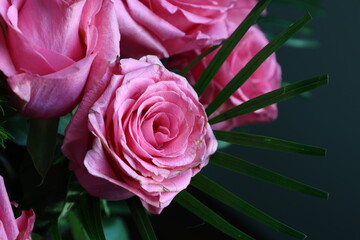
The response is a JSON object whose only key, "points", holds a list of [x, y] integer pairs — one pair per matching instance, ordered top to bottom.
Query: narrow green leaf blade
{"points": [[228, 46], [198, 59], [254, 63], [272, 97], [4, 136], [41, 143], [275, 144], [249, 169], [218, 192], [196, 207], [90, 216], [141, 219], [54, 229], [77, 230]]}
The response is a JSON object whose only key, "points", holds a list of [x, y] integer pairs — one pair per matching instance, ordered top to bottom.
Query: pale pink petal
{"points": [[53, 25], [77, 134], [146, 135], [2, 232]]}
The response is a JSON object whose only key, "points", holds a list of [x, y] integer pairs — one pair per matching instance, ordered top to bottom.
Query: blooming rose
{"points": [[168, 27], [48, 47], [265, 79], [140, 131], [11, 228]]}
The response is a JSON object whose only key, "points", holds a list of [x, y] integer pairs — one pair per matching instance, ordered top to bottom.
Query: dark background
{"points": [[328, 119]]}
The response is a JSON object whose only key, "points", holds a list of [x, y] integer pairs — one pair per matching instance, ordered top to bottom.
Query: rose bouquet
{"points": [[110, 100]]}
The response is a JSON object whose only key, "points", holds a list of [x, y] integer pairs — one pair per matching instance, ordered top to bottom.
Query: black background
{"points": [[329, 119]]}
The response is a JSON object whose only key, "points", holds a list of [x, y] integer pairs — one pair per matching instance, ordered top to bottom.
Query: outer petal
{"points": [[100, 23], [53, 25], [166, 27], [135, 39], [6, 64], [39, 95], [77, 135], [103, 182], [6, 214], [25, 224], [2, 232]]}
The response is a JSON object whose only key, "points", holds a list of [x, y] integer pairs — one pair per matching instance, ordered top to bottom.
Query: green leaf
{"points": [[227, 46], [198, 59], [254, 63], [272, 97], [64, 121], [18, 127], [4, 136], [252, 140], [41, 143], [222, 144], [249, 169], [216, 191], [48, 199], [196, 207], [106, 208], [119, 208], [90, 216], [141, 219], [115, 228], [77, 230], [55, 233], [35, 236]]}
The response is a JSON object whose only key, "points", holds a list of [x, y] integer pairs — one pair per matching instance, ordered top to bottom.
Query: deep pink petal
{"points": [[40, 94], [6, 214], [25, 224]]}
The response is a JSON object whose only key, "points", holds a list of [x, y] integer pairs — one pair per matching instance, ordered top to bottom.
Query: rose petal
{"points": [[40, 94], [7, 217]]}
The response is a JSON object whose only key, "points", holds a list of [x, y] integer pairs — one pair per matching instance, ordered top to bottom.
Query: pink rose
{"points": [[168, 27], [48, 47], [265, 79], [140, 131], [11, 228]]}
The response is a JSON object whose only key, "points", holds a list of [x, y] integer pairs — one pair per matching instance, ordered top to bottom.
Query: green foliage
{"points": [[228, 45], [254, 63], [272, 97], [4, 136], [257, 141], [41, 143], [249, 169], [216, 191], [192, 204], [90, 216], [141, 219], [77, 229]]}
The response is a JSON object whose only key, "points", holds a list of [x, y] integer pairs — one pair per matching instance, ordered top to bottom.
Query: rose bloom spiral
{"points": [[146, 134]]}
